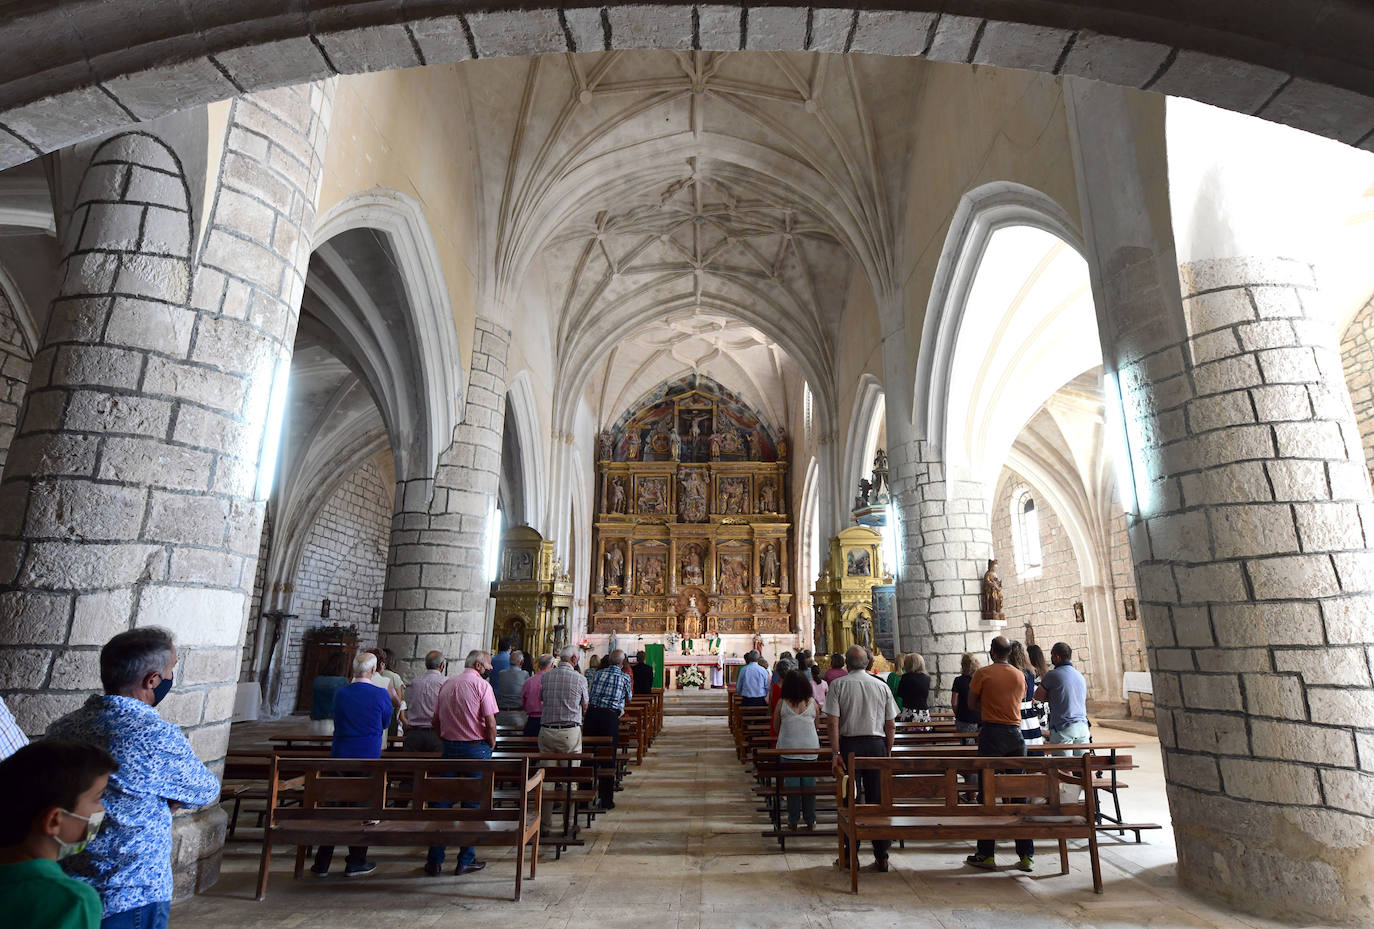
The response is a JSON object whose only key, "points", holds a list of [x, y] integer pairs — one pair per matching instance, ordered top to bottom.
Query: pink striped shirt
{"points": [[465, 702]]}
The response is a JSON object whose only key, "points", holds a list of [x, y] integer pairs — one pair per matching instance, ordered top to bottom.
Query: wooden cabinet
{"points": [[317, 649]]}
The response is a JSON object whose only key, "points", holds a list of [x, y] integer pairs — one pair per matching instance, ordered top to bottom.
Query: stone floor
{"points": [[683, 851]]}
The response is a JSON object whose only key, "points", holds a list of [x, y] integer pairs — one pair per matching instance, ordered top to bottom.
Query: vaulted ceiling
{"points": [[688, 208]]}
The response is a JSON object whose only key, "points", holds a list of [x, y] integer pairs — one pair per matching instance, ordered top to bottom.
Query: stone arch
{"points": [[1282, 66], [981, 212], [431, 338], [523, 413], [864, 422]]}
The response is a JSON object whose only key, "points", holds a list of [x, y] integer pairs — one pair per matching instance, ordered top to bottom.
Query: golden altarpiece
{"points": [[692, 535], [533, 593], [843, 598]]}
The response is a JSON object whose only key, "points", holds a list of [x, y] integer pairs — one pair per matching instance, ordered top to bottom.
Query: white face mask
{"points": [[67, 849]]}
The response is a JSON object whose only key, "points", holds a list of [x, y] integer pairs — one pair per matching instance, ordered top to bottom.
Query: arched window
{"points": [[1025, 521]]}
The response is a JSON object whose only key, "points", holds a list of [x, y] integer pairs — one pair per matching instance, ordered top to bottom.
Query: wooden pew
{"points": [[921, 800], [349, 801]]}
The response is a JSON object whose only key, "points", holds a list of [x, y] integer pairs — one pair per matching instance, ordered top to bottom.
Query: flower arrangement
{"points": [[690, 676]]}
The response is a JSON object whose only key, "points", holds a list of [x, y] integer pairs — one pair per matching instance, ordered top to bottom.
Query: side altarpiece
{"points": [[692, 536]]}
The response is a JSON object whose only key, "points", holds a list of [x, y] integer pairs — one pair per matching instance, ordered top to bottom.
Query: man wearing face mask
{"points": [[52, 810], [130, 862]]}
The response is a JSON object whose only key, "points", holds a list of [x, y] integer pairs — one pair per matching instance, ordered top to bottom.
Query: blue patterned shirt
{"points": [[610, 689], [12, 738], [130, 862]]}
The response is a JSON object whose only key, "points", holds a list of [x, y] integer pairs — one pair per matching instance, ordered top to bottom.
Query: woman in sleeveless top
{"points": [[1030, 714], [794, 718]]}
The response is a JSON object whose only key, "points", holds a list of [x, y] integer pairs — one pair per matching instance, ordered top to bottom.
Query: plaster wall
{"points": [[407, 131], [1020, 135]]}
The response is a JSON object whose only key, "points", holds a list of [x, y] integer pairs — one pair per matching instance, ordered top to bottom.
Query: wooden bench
{"points": [[921, 800], [394, 801]]}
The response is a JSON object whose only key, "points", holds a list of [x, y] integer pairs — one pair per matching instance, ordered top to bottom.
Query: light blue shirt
{"points": [[753, 681], [1068, 694], [129, 863]]}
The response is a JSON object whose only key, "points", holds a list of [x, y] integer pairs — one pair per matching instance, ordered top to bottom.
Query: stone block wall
{"points": [[1357, 360], [14, 375], [946, 541], [344, 559], [436, 591], [1046, 601], [255, 604], [1134, 656]]}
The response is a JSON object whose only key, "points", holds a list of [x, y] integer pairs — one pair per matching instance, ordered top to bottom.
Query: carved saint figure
{"points": [[606, 445], [632, 445], [675, 445], [782, 445], [715, 446], [753, 446], [618, 495], [732, 496], [693, 497], [768, 497], [691, 565], [768, 565], [615, 567], [734, 575], [651, 576], [992, 594], [863, 631], [822, 642]]}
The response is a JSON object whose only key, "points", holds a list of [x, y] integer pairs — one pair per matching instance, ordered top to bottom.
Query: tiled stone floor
{"points": [[682, 850]]}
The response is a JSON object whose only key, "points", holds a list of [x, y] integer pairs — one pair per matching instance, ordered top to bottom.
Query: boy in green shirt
{"points": [[52, 809]]}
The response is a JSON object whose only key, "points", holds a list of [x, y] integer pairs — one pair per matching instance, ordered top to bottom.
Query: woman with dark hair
{"points": [[1037, 659], [527, 664], [332, 676], [819, 685], [1030, 716], [794, 719]]}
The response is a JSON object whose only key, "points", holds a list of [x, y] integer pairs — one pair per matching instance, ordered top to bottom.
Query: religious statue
{"points": [[606, 445], [632, 445], [675, 445], [782, 445], [715, 446], [753, 446], [644, 452], [880, 460], [865, 488], [618, 495], [732, 496], [652, 497], [693, 497], [768, 497], [691, 565], [768, 565], [615, 568], [734, 575], [651, 576], [992, 595], [691, 619], [818, 630], [863, 632], [615, 640]]}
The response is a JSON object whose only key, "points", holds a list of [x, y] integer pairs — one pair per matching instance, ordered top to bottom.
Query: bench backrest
{"points": [[1002, 786], [406, 788]]}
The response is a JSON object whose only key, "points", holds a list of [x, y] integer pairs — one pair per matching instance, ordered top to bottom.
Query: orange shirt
{"points": [[1001, 687]]}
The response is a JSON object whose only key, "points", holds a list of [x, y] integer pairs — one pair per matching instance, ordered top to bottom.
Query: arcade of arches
{"points": [[285, 346]]}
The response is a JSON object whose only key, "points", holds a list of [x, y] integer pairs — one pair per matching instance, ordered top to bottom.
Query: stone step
{"points": [[691, 702]]}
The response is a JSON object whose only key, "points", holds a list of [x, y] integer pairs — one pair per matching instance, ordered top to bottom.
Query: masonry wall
{"points": [[1357, 359], [14, 375], [344, 559], [1046, 601]]}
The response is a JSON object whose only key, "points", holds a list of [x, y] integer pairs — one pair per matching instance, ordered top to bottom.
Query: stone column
{"points": [[130, 496], [1252, 519], [946, 541], [436, 586]]}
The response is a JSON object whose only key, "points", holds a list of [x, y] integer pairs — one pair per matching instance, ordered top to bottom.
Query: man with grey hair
{"points": [[753, 681], [509, 686], [607, 694], [421, 699], [563, 700], [362, 712], [860, 713], [465, 718], [129, 862]]}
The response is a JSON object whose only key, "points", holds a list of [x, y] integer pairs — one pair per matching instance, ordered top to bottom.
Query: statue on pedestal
{"points": [[605, 445], [675, 445], [715, 446], [618, 495], [768, 565], [615, 568], [992, 595]]}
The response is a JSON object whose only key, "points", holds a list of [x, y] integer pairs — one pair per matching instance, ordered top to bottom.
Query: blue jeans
{"points": [[1075, 733], [480, 750], [800, 807], [148, 916]]}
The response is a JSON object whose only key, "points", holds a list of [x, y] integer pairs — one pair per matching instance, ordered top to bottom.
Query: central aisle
{"points": [[683, 850]]}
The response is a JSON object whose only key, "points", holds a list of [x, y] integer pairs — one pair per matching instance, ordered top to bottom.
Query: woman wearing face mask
{"points": [[52, 809]]}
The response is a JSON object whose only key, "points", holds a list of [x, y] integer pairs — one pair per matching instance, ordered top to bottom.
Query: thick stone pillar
{"points": [[131, 493], [1252, 520], [946, 541], [436, 588]]}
